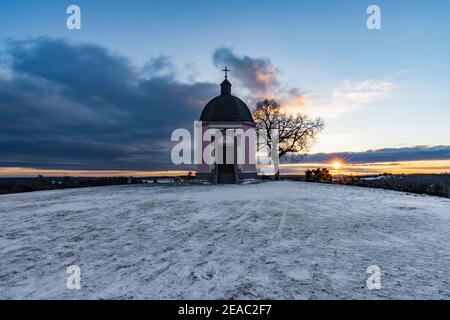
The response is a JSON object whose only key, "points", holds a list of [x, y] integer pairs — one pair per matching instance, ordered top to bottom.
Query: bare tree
{"points": [[296, 133]]}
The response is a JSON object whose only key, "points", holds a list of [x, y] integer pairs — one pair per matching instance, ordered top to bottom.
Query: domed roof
{"points": [[226, 107]]}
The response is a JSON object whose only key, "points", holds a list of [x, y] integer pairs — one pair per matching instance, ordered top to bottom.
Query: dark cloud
{"points": [[159, 66], [258, 75], [260, 78], [78, 106], [386, 155]]}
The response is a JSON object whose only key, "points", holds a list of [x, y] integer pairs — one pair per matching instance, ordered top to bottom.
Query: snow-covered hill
{"points": [[271, 240]]}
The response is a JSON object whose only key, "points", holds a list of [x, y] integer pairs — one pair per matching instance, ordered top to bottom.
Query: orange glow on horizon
{"points": [[336, 167], [393, 167], [31, 172]]}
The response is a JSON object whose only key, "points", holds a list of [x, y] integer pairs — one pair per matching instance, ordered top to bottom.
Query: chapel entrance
{"points": [[226, 170]]}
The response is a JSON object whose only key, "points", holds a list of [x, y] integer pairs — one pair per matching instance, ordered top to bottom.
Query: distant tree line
{"points": [[42, 183], [431, 184]]}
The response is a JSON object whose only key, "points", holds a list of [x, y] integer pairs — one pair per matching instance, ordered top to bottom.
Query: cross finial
{"points": [[226, 72]]}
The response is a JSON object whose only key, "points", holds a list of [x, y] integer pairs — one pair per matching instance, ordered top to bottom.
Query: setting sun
{"points": [[337, 164]]}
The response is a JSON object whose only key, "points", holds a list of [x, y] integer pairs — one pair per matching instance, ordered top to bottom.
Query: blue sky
{"points": [[375, 89]]}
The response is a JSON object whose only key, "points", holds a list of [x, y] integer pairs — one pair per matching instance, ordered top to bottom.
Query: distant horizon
{"points": [[408, 160], [286, 169]]}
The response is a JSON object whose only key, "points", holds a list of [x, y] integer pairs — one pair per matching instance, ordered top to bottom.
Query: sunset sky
{"points": [[107, 97]]}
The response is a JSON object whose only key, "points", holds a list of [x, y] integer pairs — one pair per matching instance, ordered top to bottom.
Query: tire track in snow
{"points": [[282, 222]]}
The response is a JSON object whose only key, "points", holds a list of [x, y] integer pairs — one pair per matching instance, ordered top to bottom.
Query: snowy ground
{"points": [[274, 240]]}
